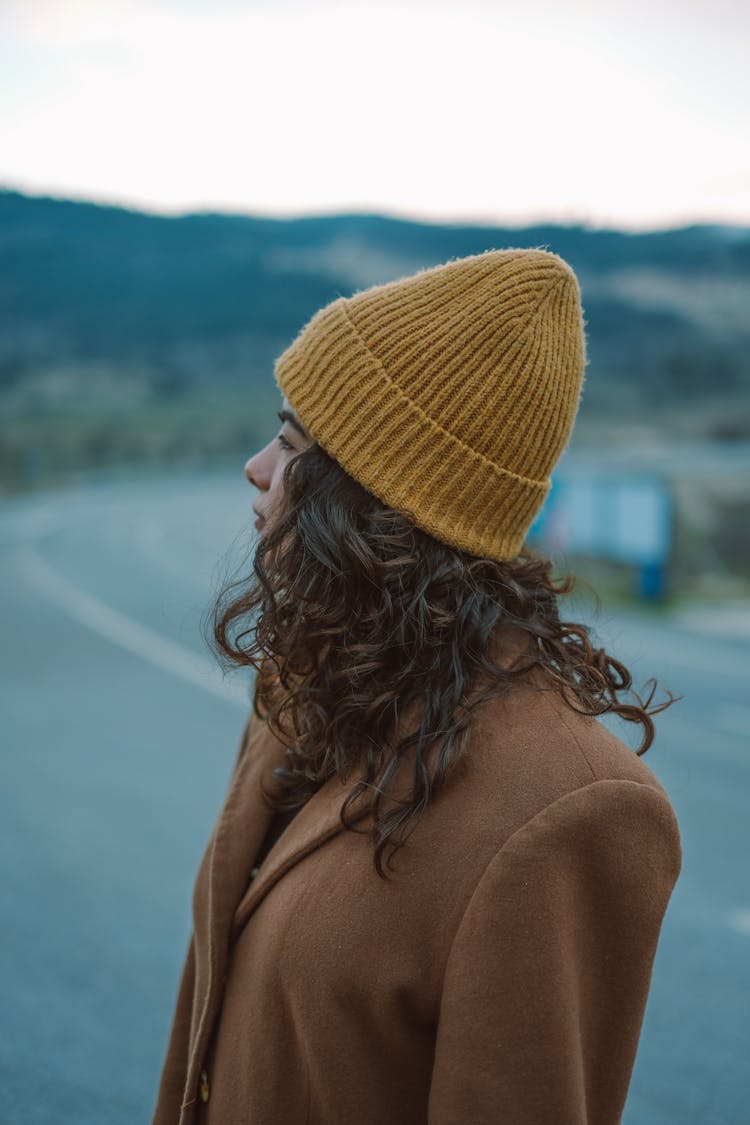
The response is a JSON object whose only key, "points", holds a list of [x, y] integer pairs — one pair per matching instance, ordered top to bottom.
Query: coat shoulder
{"points": [[532, 728], [528, 750]]}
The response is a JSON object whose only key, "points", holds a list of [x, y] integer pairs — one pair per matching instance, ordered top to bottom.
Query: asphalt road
{"points": [[118, 736]]}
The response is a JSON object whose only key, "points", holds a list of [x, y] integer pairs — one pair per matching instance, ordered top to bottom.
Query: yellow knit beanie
{"points": [[450, 394]]}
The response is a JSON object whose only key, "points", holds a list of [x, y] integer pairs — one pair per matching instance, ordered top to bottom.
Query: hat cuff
{"points": [[364, 420]]}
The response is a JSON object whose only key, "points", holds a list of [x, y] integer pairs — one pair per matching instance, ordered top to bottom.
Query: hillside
{"points": [[103, 307]]}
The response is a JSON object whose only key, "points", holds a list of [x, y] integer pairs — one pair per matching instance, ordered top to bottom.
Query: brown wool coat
{"points": [[499, 976]]}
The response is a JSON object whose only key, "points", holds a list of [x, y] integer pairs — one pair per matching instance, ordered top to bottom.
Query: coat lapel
{"points": [[246, 817], [242, 824], [314, 824], [221, 881]]}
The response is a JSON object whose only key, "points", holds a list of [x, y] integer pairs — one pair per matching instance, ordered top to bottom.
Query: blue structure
{"points": [[624, 518]]}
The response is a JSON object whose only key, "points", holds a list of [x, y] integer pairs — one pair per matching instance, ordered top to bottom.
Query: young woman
{"points": [[435, 889]]}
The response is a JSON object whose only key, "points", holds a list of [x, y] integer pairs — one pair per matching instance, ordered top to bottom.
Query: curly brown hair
{"points": [[355, 614]]}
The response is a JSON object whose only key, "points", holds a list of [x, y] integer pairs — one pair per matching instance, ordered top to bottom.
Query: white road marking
{"points": [[135, 638], [740, 920]]}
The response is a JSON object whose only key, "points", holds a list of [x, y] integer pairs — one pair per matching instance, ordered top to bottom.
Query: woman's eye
{"points": [[283, 442]]}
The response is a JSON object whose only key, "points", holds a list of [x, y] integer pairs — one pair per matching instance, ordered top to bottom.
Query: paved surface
{"points": [[730, 619], [117, 741]]}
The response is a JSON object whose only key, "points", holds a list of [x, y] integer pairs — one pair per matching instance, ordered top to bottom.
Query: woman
{"points": [[435, 890]]}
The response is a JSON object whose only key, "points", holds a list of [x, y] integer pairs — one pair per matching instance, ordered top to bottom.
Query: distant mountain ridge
{"points": [[210, 299]]}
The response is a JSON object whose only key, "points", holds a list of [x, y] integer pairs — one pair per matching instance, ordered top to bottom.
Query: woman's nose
{"points": [[260, 467], [251, 472]]}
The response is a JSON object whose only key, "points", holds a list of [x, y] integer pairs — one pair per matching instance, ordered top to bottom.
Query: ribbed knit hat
{"points": [[450, 394]]}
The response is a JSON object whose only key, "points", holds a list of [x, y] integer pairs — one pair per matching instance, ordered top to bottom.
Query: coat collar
{"points": [[245, 818], [316, 822], [239, 832], [234, 890]]}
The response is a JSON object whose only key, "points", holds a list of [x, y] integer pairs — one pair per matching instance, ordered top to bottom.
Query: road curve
{"points": [[119, 733]]}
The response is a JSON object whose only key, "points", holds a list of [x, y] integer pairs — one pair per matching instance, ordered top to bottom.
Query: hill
{"points": [[107, 308]]}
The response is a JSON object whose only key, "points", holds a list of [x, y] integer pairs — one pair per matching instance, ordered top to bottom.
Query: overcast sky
{"points": [[634, 114]]}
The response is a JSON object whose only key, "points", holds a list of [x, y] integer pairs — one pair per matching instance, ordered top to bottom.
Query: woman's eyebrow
{"points": [[287, 416]]}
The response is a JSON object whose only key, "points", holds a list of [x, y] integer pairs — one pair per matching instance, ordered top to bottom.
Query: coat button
{"points": [[254, 872], [205, 1089]]}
